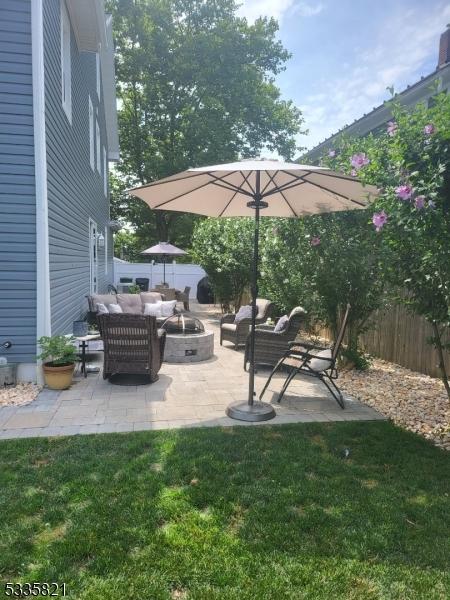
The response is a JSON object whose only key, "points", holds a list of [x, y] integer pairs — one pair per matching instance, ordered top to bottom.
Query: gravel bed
{"points": [[21, 394], [412, 400]]}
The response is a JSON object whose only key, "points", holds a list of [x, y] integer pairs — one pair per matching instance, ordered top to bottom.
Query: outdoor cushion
{"points": [[151, 297], [101, 299], [130, 303], [261, 306], [101, 308], [115, 308], [168, 308], [153, 309], [245, 312], [281, 325], [229, 326], [320, 364]]}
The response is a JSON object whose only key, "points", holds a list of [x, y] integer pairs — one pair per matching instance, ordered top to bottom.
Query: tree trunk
{"points": [[441, 365]]}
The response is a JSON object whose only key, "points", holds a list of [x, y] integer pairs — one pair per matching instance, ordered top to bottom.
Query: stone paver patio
{"points": [[186, 395]]}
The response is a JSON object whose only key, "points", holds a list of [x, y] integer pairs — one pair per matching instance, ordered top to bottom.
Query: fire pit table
{"points": [[187, 340]]}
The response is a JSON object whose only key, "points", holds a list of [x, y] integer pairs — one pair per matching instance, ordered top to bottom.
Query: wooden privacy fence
{"points": [[401, 337]]}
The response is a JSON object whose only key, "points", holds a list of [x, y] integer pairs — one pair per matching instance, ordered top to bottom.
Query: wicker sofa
{"points": [[130, 303], [237, 333], [133, 345], [270, 345]]}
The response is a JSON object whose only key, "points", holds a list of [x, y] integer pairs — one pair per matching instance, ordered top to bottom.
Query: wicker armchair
{"points": [[183, 297], [238, 332], [132, 345], [270, 346]]}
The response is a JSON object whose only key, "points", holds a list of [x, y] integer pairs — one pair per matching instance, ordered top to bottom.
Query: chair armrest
{"points": [[227, 318], [266, 328], [306, 345]]}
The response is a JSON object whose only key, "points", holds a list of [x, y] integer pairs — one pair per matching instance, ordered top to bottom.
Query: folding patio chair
{"points": [[312, 360]]}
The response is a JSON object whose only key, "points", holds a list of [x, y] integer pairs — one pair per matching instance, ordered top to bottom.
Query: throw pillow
{"points": [[115, 308], [168, 308], [101, 309], [153, 309], [245, 312], [282, 323], [321, 364]]}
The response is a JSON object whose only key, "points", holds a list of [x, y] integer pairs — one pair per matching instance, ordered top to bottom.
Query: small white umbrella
{"points": [[244, 189], [164, 249]]}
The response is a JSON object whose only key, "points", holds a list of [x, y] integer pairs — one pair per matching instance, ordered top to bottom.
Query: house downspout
{"points": [[43, 315]]}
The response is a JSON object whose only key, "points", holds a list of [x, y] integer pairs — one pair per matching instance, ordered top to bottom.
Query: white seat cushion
{"points": [[229, 326], [322, 363]]}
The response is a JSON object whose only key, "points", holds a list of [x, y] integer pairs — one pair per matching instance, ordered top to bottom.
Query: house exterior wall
{"points": [[17, 184], [75, 191]]}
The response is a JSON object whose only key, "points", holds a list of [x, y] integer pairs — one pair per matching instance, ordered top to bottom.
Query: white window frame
{"points": [[66, 63], [98, 73], [91, 135], [97, 141], [105, 173], [106, 251], [93, 257]]}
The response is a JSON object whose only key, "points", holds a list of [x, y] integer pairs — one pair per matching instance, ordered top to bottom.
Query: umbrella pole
{"points": [[164, 269], [251, 410]]}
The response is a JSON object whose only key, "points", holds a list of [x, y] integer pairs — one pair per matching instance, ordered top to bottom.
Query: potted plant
{"points": [[59, 356]]}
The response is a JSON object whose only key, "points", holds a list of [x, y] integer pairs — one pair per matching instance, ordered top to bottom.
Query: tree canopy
{"points": [[196, 86]]}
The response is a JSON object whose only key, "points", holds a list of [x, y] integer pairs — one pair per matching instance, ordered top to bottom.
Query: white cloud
{"points": [[252, 9], [404, 44]]}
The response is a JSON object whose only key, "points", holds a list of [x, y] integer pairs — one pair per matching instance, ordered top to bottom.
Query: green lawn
{"points": [[246, 513]]}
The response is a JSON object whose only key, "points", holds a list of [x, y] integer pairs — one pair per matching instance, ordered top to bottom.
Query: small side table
{"points": [[83, 344]]}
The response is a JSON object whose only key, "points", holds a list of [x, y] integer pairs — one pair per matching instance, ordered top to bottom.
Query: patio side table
{"points": [[83, 344]]}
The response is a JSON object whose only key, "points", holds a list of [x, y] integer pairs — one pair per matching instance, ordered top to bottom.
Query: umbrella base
{"points": [[258, 411]]}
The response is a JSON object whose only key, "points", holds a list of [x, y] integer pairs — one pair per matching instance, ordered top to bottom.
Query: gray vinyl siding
{"points": [[17, 189], [75, 191]]}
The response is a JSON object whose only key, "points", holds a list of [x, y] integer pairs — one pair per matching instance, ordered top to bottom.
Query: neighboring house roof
{"points": [[93, 33], [421, 91]]}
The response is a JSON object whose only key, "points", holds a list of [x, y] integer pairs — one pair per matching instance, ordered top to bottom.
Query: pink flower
{"points": [[392, 128], [429, 129], [332, 153], [359, 160], [353, 173], [404, 192], [419, 202], [379, 220], [315, 241]]}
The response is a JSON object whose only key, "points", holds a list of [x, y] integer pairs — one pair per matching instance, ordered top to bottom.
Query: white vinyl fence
{"points": [[177, 275]]}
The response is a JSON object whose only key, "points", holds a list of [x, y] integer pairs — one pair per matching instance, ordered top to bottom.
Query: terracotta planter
{"points": [[58, 378]]}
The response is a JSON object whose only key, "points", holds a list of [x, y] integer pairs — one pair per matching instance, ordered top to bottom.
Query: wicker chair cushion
{"points": [[150, 297], [101, 299], [131, 304], [262, 305], [101, 308], [115, 308], [168, 308], [153, 309], [245, 312], [281, 325], [229, 326], [321, 364]]}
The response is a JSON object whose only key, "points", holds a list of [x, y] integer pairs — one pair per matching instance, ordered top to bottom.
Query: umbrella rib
{"points": [[245, 179], [272, 179], [167, 181], [227, 185], [322, 187], [284, 188], [184, 193], [228, 204]]}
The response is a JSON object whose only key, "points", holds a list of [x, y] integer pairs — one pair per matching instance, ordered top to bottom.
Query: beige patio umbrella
{"points": [[244, 189]]}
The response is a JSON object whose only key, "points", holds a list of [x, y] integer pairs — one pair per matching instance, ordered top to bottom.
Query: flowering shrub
{"points": [[410, 163]]}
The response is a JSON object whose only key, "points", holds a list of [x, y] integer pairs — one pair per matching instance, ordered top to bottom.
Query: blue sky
{"points": [[345, 53]]}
